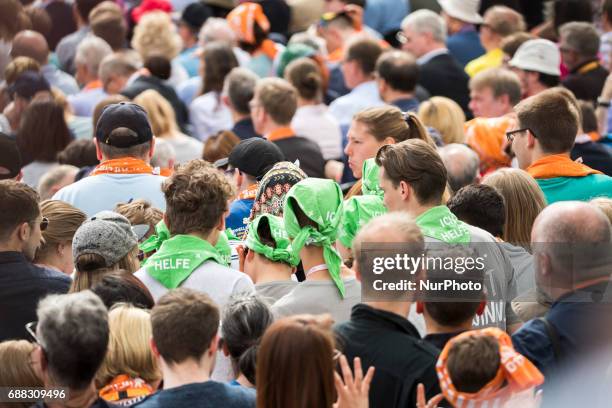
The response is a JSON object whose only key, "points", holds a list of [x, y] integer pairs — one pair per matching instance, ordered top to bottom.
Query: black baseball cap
{"points": [[195, 15], [28, 84], [123, 125], [255, 156], [10, 158]]}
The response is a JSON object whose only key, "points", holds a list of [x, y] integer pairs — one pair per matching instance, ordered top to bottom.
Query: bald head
{"points": [[31, 44], [462, 164], [571, 222]]}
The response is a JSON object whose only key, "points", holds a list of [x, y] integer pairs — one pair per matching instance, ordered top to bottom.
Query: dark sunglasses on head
{"points": [[327, 18], [44, 223]]}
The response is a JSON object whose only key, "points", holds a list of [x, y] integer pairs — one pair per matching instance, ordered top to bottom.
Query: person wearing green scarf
{"points": [[414, 180], [313, 209], [191, 249], [269, 260]]}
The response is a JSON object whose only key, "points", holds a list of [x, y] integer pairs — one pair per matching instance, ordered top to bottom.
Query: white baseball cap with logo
{"points": [[464, 10], [538, 55]]}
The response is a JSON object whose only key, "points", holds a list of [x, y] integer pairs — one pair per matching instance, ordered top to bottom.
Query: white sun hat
{"points": [[464, 10], [538, 55]]}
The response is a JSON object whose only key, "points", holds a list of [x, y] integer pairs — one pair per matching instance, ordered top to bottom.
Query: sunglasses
{"points": [[327, 18], [512, 134], [44, 223], [31, 329]]}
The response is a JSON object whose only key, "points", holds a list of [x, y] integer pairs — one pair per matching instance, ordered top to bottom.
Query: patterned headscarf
{"points": [[273, 187]]}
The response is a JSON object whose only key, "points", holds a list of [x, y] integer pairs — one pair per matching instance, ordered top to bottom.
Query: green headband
{"points": [[370, 178], [321, 201], [357, 211], [282, 250]]}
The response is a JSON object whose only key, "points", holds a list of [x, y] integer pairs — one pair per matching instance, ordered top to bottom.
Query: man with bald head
{"points": [[32, 44], [573, 261], [401, 359]]}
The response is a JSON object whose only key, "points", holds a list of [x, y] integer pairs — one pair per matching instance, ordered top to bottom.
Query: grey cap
{"points": [[107, 234]]}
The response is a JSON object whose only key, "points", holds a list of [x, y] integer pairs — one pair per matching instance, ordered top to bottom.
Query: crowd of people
{"points": [[192, 194]]}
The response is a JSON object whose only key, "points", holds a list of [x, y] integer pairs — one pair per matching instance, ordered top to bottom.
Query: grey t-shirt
{"points": [[522, 262], [272, 291], [318, 297]]}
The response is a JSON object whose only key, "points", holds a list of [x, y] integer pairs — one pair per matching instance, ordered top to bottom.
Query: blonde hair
{"points": [[155, 35], [18, 66], [160, 112], [444, 115], [389, 121], [524, 201], [604, 204], [141, 212], [64, 220], [88, 275], [128, 346], [17, 368]]}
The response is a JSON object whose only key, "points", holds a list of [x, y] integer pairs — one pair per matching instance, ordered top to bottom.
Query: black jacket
{"points": [[444, 76], [586, 81], [142, 83], [306, 151], [595, 155], [22, 285], [393, 346]]}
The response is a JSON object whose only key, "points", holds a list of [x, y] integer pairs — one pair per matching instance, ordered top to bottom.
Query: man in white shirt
{"points": [[124, 145]]}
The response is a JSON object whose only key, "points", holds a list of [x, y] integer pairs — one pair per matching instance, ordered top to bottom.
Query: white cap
{"points": [[464, 10], [538, 55]]}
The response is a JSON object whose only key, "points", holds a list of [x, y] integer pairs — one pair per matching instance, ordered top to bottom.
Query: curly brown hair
{"points": [[196, 198]]}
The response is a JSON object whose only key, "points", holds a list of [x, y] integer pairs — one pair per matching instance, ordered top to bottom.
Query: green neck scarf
{"points": [[370, 178], [321, 201], [357, 211], [440, 223], [162, 234], [281, 252], [178, 257]]}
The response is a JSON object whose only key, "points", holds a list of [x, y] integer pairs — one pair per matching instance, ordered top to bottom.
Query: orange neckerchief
{"points": [[268, 48], [335, 56], [588, 67], [93, 85], [280, 133], [487, 136], [595, 136], [124, 165], [558, 165], [250, 193], [515, 374], [129, 387]]}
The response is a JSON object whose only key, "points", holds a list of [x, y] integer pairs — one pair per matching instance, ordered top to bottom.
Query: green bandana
{"points": [[370, 179], [321, 201], [357, 211], [440, 223], [154, 242], [282, 251], [178, 257]]}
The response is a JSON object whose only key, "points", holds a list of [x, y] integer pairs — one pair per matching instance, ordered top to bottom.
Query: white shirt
{"points": [[363, 96], [209, 115], [314, 122]]}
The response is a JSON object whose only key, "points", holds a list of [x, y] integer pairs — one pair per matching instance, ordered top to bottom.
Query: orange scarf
{"points": [[269, 49], [93, 85], [280, 133], [487, 136], [124, 165], [558, 165], [515, 374], [123, 387]]}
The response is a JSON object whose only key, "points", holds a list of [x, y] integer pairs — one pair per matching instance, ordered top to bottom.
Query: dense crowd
{"points": [[200, 202]]}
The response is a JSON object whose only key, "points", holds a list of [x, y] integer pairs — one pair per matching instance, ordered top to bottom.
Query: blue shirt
{"points": [[385, 16], [465, 45], [189, 60], [59, 79], [188, 90], [363, 96], [84, 102], [407, 104], [104, 191], [238, 218], [209, 394]]}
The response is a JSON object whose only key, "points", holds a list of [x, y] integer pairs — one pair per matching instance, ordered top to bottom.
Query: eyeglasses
{"points": [[401, 37], [512, 134], [31, 329]]}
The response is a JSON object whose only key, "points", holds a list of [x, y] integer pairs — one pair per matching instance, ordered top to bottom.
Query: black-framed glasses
{"points": [[512, 134], [31, 329]]}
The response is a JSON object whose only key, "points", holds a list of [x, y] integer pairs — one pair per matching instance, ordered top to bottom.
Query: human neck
{"points": [[190, 43], [491, 45], [434, 47], [362, 80], [536, 88], [392, 96], [306, 102], [237, 117], [272, 126], [539, 154], [144, 159], [417, 209], [211, 238], [11, 246], [312, 256], [268, 271], [399, 308], [432, 327], [187, 372], [242, 380], [78, 398]]}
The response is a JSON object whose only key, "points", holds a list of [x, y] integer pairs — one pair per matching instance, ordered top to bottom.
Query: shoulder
{"points": [[53, 279]]}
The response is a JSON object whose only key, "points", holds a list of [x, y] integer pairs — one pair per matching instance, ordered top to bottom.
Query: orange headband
{"points": [[242, 20], [516, 373]]}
